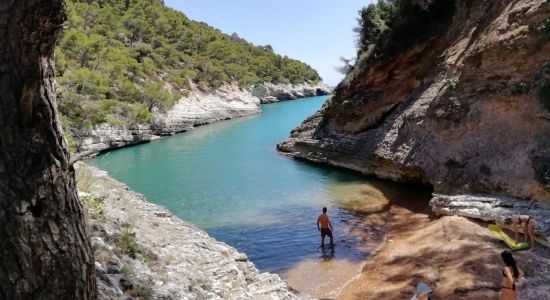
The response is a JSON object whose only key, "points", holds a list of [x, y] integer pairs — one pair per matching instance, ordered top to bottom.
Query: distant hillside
{"points": [[120, 60]]}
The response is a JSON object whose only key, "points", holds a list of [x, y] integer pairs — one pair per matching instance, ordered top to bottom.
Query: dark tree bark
{"points": [[45, 252]]}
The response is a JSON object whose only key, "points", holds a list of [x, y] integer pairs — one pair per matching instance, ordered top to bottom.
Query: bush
{"points": [[374, 20], [390, 26], [542, 29], [451, 83], [155, 95], [139, 114], [117, 122], [95, 207], [128, 244], [127, 271], [142, 291]]}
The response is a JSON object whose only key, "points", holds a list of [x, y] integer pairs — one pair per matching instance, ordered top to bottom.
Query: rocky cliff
{"points": [[270, 93], [199, 107], [464, 109], [144, 251]]}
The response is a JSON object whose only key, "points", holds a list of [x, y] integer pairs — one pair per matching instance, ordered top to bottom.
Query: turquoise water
{"points": [[228, 179]]}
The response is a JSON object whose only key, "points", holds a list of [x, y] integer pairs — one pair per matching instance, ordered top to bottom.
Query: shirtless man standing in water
{"points": [[326, 227]]}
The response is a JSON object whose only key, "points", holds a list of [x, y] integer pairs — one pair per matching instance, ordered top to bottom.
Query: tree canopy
{"points": [[389, 26], [118, 59]]}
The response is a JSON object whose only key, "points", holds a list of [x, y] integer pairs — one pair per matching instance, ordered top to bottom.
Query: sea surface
{"points": [[228, 179]]}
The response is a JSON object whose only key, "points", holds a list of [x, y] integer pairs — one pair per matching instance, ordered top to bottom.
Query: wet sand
{"points": [[373, 208], [322, 278]]}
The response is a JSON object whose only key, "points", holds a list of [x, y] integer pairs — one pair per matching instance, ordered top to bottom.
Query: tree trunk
{"points": [[45, 251]]}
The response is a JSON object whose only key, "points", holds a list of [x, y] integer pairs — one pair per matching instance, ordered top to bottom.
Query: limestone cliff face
{"points": [[270, 93], [199, 107], [203, 107], [461, 111], [106, 136]]}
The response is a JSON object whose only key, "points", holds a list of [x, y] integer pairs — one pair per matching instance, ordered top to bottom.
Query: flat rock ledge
{"points": [[491, 208], [494, 208], [144, 251]]}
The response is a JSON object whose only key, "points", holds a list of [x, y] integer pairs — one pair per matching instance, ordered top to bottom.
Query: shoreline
{"points": [[196, 109], [151, 137], [143, 250], [395, 253]]}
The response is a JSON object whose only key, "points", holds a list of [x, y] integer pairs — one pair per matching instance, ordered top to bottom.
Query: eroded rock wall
{"points": [[270, 93], [204, 107], [460, 111]]}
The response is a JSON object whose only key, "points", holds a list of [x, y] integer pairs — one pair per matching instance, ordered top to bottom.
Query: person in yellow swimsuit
{"points": [[325, 228]]}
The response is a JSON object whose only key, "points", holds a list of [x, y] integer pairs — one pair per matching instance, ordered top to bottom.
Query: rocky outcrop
{"points": [[270, 93], [199, 107], [462, 111], [107, 136], [492, 208], [142, 250]]}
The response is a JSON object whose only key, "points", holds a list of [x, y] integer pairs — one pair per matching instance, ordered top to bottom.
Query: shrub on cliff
{"points": [[390, 26], [141, 52]]}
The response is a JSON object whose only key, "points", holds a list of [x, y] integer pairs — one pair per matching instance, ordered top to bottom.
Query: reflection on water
{"points": [[229, 180], [327, 253]]}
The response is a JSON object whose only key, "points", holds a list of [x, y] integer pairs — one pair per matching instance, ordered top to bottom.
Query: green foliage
{"points": [[374, 20], [390, 26], [542, 29], [144, 55], [452, 82], [155, 95], [544, 96], [139, 113], [71, 143], [94, 206], [128, 244], [127, 270], [142, 291]]}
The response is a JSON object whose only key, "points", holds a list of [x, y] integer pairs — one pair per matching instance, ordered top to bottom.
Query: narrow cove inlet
{"points": [[229, 180]]}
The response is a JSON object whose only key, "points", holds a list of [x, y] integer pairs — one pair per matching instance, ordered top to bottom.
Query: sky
{"points": [[317, 32]]}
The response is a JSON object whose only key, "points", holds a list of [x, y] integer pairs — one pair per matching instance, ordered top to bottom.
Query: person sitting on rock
{"points": [[524, 223], [510, 275]]}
